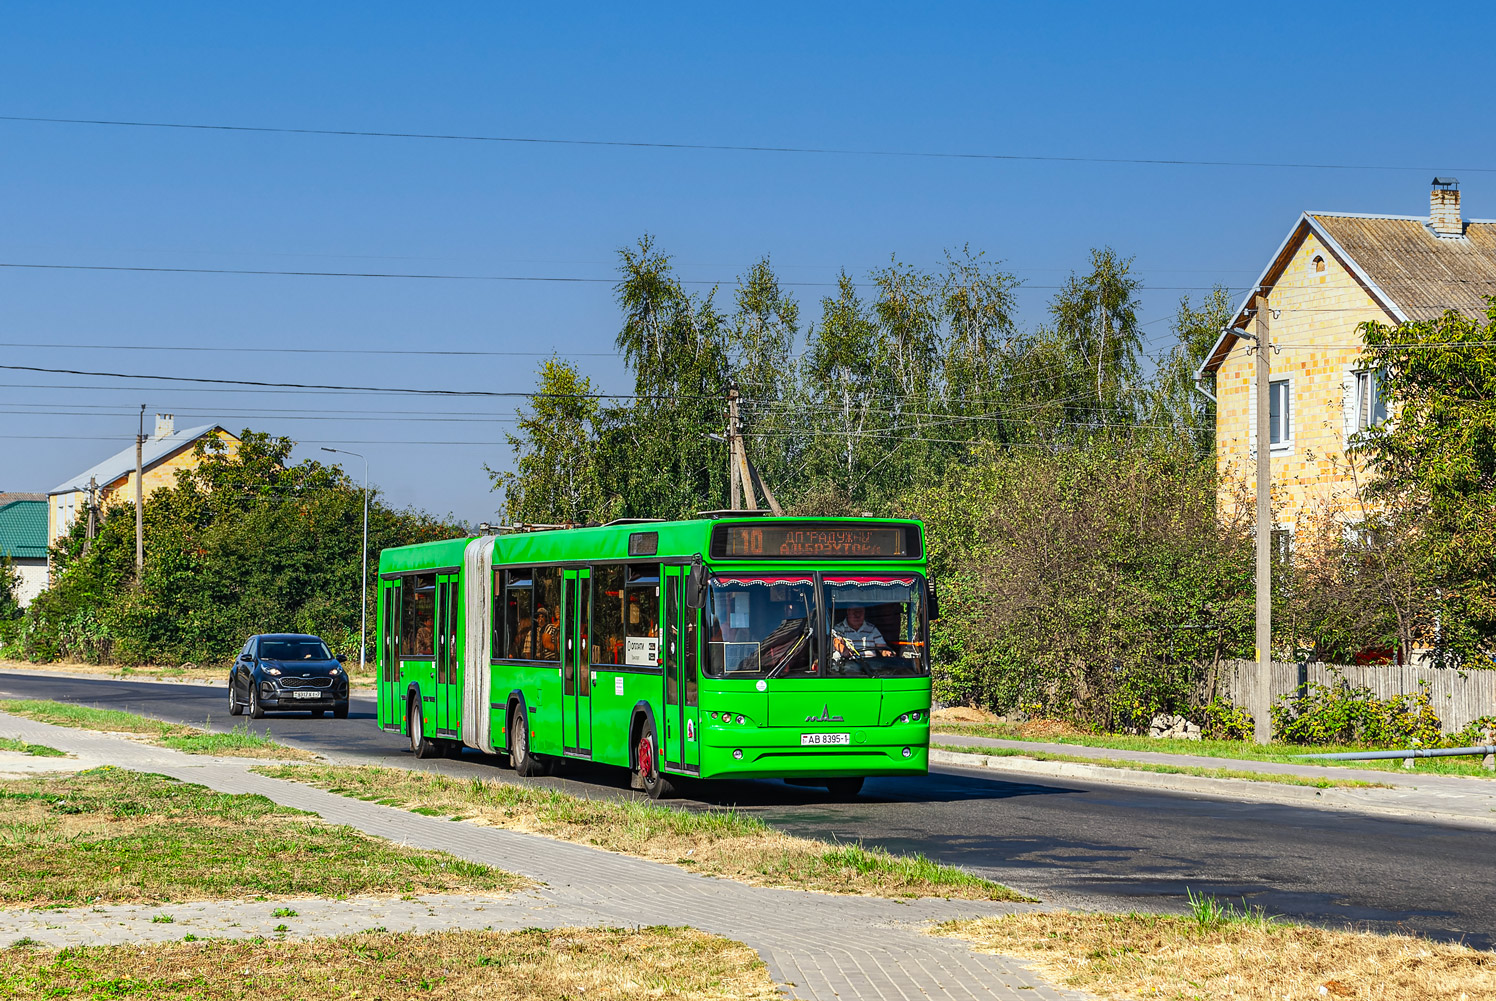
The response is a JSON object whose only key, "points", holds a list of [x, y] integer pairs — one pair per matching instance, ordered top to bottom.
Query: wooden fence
{"points": [[1458, 697]]}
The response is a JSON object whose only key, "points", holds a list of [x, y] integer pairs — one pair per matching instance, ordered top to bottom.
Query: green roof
{"points": [[23, 530]]}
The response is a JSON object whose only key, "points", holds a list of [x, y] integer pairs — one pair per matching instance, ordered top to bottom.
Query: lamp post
{"points": [[363, 594]]}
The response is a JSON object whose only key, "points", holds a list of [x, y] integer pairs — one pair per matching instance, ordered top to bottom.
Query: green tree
{"points": [[1096, 316], [841, 369], [1176, 399], [1434, 464], [555, 476]]}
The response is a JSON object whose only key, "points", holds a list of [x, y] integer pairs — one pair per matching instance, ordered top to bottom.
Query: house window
{"points": [[1318, 264], [1371, 405], [1280, 418]]}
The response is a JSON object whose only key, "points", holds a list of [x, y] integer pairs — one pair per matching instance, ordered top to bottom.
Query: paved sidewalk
{"points": [[1408, 793], [816, 945]]}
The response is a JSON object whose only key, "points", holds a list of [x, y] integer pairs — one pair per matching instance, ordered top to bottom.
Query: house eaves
{"points": [[122, 463]]}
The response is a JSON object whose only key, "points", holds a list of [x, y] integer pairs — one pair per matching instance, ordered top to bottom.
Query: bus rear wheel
{"points": [[520, 756], [647, 766], [843, 789]]}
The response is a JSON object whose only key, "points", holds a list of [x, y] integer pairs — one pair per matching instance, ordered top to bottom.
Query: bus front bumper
{"points": [[777, 752]]}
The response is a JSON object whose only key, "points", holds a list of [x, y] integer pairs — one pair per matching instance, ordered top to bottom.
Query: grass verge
{"points": [[215, 673], [238, 742], [1238, 749], [35, 750], [1143, 766], [110, 835], [712, 842], [1221, 952], [599, 964]]}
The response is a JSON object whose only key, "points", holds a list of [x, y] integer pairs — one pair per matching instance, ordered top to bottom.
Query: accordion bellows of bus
{"points": [[722, 647]]}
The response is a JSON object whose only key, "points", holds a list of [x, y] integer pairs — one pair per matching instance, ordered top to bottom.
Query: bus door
{"points": [[448, 657], [576, 666], [391, 705], [681, 746]]}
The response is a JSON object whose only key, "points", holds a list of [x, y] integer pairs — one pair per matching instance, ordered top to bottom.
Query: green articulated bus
{"points": [[724, 647]]}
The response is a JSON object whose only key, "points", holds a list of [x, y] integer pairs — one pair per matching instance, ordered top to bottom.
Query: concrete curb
{"points": [[1471, 810]]}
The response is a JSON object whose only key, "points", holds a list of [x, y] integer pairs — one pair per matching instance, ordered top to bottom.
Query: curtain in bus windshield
{"points": [[761, 626], [874, 626]]}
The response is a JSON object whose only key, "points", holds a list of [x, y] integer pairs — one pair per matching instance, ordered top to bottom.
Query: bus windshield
{"points": [[767, 626]]}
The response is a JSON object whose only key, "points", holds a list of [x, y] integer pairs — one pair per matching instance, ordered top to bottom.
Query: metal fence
{"points": [[1458, 697]]}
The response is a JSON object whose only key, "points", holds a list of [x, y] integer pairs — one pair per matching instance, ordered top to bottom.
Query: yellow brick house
{"points": [[1332, 272], [164, 452]]}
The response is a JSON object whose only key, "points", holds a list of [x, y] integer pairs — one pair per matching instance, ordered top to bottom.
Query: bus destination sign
{"points": [[825, 541]]}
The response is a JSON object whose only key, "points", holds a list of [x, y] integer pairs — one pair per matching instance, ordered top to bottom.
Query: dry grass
{"points": [[215, 673], [238, 742], [110, 835], [716, 842], [1235, 956], [532, 965]]}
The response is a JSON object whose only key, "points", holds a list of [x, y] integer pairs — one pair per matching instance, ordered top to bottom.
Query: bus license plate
{"points": [[306, 695], [814, 739]]}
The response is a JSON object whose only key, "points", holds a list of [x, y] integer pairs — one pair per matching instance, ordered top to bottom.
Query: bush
{"points": [[1342, 714], [1220, 720]]}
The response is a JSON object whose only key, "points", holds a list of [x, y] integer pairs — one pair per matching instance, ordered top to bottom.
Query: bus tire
{"points": [[421, 745], [520, 756], [647, 765], [844, 789]]}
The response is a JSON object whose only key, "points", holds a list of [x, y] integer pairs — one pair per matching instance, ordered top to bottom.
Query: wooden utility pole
{"points": [[744, 482], [139, 499], [1261, 704]]}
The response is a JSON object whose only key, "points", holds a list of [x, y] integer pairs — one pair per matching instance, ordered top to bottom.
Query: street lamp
{"points": [[363, 594]]}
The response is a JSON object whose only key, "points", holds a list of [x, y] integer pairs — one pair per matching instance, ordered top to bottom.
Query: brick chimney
{"points": [[1444, 208], [166, 423]]}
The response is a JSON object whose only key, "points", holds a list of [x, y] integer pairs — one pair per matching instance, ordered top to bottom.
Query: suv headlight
{"points": [[273, 671]]}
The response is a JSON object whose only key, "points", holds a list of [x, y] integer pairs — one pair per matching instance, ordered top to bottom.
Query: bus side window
{"points": [[547, 614], [607, 615], [693, 616], [519, 623], [496, 627]]}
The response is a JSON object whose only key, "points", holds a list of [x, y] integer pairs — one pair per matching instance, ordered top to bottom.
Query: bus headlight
{"points": [[914, 716], [904, 718], [739, 720], [908, 752], [738, 754]]}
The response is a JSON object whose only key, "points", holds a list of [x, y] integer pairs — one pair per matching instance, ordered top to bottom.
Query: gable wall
{"points": [[1314, 332]]}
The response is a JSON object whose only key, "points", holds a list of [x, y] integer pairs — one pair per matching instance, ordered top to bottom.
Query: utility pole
{"points": [[734, 473], [139, 499], [93, 512], [363, 594], [1261, 708]]}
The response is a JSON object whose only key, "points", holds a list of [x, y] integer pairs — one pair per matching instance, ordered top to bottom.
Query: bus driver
{"points": [[854, 636]]}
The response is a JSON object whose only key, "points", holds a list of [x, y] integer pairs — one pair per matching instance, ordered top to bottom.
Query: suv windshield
{"points": [[769, 625], [294, 650]]}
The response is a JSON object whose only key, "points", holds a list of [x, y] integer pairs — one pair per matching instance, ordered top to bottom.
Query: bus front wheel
{"points": [[421, 745], [647, 765]]}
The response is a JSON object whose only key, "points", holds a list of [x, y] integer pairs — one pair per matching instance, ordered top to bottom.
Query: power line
{"points": [[740, 148], [309, 351]]}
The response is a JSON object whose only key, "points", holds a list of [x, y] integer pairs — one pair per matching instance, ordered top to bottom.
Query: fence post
{"points": [[1488, 737]]}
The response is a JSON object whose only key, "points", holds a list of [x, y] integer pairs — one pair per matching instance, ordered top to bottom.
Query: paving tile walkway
{"points": [[817, 946]]}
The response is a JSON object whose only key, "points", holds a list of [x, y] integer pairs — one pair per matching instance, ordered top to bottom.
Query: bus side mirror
{"points": [[696, 586], [932, 599]]}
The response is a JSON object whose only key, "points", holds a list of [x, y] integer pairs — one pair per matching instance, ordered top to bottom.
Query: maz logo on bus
{"points": [[825, 716]]}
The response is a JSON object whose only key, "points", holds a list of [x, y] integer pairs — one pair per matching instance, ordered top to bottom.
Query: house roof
{"points": [[1405, 268], [122, 462], [23, 527]]}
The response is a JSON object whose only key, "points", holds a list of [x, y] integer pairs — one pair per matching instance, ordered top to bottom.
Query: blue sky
{"points": [[1358, 84]]}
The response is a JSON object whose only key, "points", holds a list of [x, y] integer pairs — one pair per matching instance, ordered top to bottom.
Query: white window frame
{"points": [[1367, 393], [1285, 442]]}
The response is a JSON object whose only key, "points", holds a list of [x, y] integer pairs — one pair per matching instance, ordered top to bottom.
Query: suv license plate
{"points": [[306, 695], [814, 739]]}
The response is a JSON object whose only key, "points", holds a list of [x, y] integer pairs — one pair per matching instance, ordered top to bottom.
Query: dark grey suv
{"points": [[288, 671]]}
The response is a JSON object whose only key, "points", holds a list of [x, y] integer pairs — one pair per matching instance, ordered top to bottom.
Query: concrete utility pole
{"points": [[139, 499], [93, 512], [363, 594], [1261, 713]]}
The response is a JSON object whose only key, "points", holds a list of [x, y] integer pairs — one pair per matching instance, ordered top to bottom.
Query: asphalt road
{"points": [[1067, 842]]}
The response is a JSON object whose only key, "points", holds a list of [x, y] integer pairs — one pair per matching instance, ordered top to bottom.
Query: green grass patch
{"points": [[238, 742], [1237, 749], [35, 750], [1144, 766], [110, 835], [719, 842], [598, 964]]}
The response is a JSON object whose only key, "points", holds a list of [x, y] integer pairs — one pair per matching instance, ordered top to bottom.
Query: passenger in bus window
{"points": [[549, 633], [854, 636]]}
